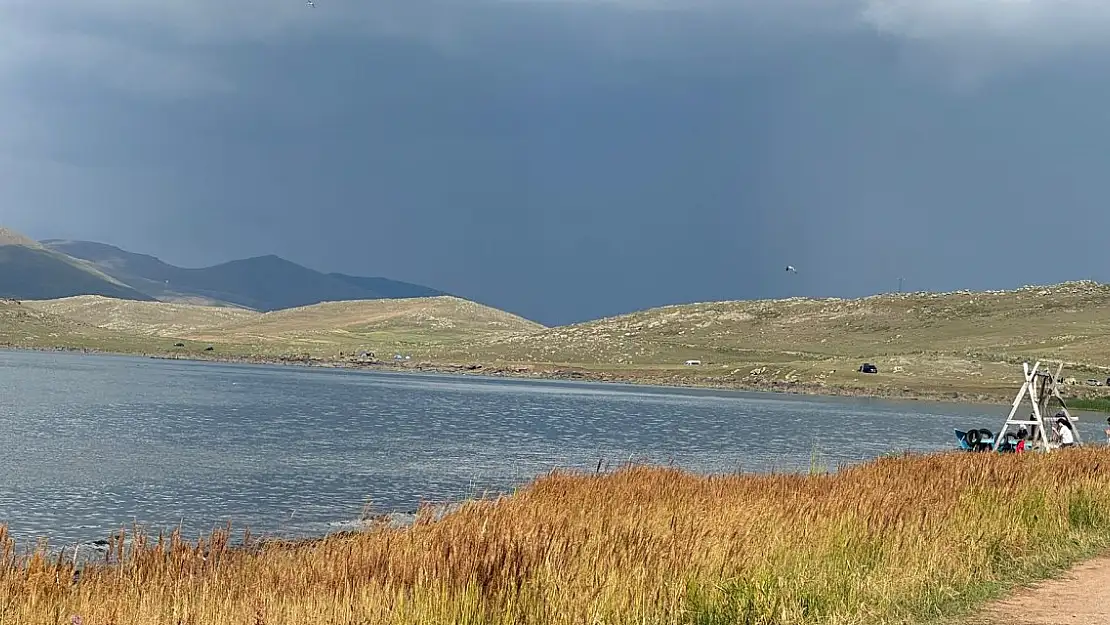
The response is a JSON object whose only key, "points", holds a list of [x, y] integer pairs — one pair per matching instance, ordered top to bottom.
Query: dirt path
{"points": [[1080, 597]]}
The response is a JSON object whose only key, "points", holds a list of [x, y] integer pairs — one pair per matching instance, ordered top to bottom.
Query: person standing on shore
{"points": [[1067, 437]]}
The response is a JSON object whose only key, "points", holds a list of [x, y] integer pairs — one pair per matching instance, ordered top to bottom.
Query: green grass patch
{"points": [[1092, 404]]}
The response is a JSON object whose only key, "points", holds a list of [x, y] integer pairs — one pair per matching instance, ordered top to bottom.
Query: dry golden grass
{"points": [[445, 318], [170, 320], [1064, 321], [22, 325], [411, 326], [417, 326], [320, 330], [963, 341], [896, 540]]}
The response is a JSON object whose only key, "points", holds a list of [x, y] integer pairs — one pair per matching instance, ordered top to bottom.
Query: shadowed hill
{"points": [[30, 271], [144, 272], [264, 283], [385, 288]]}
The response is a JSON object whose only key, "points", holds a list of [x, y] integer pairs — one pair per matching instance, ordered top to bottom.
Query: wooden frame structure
{"points": [[1039, 388]]}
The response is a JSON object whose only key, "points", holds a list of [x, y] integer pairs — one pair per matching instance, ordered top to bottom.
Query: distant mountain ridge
{"points": [[56, 268], [28, 270], [398, 290]]}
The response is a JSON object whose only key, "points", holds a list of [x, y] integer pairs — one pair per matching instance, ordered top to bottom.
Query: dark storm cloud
{"points": [[567, 160]]}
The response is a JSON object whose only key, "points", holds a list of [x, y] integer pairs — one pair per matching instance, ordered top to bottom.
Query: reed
{"points": [[1092, 404], [899, 539]]}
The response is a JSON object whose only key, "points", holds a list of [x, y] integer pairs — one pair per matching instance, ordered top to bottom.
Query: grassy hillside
{"points": [[141, 318], [1067, 320], [22, 325], [424, 326], [970, 342], [934, 345]]}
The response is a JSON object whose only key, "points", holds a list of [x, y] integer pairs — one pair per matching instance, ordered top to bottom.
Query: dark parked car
{"points": [[868, 368]]}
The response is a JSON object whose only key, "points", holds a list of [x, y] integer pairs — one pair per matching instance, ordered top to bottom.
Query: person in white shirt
{"points": [[1067, 437]]}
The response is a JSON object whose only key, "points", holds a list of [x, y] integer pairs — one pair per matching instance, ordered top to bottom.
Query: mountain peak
{"points": [[268, 258], [268, 262], [265, 282]]}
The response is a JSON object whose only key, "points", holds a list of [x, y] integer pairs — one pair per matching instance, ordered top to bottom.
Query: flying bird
{"points": [[310, 3], [790, 268]]}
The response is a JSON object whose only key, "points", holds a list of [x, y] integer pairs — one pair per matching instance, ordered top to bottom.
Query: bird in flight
{"points": [[310, 3], [791, 268]]}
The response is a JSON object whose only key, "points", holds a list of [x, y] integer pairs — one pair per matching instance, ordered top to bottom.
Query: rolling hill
{"points": [[29, 270], [263, 283], [444, 314], [164, 319], [1067, 320], [22, 325], [415, 325], [423, 327], [960, 342], [925, 344], [930, 345]]}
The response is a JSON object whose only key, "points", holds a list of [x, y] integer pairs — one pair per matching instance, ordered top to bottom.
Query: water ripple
{"points": [[96, 443]]}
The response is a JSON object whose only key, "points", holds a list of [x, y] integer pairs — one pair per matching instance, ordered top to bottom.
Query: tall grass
{"points": [[1093, 404], [896, 540]]}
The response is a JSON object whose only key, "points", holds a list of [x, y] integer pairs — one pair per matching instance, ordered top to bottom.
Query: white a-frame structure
{"points": [[1040, 387]]}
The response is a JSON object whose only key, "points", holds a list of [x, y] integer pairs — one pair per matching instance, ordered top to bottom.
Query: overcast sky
{"points": [[569, 159]]}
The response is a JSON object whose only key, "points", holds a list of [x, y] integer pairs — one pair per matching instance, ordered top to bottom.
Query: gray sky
{"points": [[569, 159]]}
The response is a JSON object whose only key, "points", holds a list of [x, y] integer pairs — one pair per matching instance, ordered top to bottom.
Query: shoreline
{"points": [[571, 373], [406, 516], [649, 519], [243, 539]]}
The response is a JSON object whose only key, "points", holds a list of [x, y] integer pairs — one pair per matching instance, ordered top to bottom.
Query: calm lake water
{"points": [[95, 443]]}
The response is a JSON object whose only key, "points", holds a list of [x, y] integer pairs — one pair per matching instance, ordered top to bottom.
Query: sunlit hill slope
{"points": [[962, 342]]}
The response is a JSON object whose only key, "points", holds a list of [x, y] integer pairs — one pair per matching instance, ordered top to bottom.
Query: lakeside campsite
{"points": [[559, 312]]}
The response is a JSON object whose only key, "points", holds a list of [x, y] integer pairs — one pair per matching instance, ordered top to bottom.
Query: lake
{"points": [[96, 443]]}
